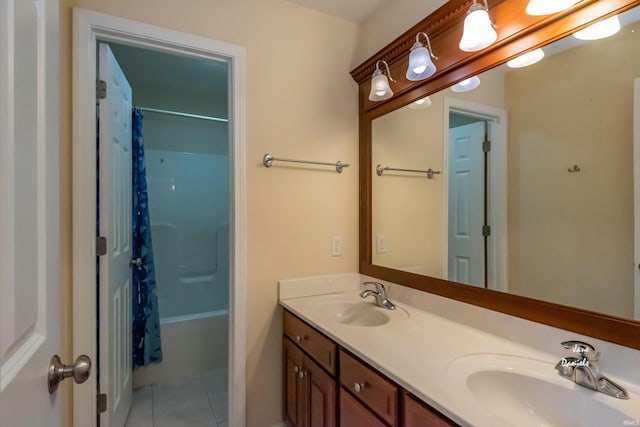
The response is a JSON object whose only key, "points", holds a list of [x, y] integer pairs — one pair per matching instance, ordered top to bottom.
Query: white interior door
{"points": [[636, 189], [29, 213], [115, 224], [466, 263]]}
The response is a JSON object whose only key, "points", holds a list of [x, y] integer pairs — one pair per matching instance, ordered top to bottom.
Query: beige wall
{"points": [[388, 22], [301, 103], [571, 234]]}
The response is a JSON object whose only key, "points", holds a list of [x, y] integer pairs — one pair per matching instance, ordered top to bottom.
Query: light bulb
{"points": [[547, 7], [599, 30], [526, 59]]}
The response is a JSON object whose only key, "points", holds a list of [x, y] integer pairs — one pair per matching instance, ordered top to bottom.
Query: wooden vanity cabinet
{"points": [[326, 386], [369, 387], [309, 392], [418, 414]]}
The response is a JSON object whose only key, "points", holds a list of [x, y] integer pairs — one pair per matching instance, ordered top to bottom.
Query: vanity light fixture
{"points": [[547, 7], [600, 29], [478, 30], [526, 59], [420, 64], [466, 85], [380, 89], [421, 104]]}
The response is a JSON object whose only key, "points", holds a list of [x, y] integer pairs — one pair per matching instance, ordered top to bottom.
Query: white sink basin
{"points": [[359, 313], [521, 391]]}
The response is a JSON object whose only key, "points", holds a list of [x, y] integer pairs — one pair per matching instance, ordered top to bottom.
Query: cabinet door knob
{"points": [[300, 338], [296, 369], [302, 373], [357, 387]]}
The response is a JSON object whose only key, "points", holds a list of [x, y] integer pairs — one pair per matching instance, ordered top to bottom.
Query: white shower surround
{"points": [[189, 213]]}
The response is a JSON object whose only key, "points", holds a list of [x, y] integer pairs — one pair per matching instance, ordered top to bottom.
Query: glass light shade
{"points": [[547, 7], [599, 30], [478, 31], [526, 59], [420, 64], [466, 85], [380, 89], [421, 104]]}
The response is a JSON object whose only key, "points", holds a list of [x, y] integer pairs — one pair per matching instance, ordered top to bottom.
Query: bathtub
{"points": [[191, 345]]}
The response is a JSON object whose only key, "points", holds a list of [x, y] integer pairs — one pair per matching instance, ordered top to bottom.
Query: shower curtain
{"points": [[146, 320]]}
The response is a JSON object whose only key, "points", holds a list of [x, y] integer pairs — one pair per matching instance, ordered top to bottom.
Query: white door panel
{"points": [[466, 204], [29, 212], [115, 225]]}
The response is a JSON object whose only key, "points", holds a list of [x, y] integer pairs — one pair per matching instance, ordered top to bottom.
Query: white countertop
{"points": [[417, 346]]}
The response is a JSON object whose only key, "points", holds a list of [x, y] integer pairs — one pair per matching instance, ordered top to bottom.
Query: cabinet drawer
{"points": [[319, 347], [375, 391], [353, 413], [418, 414]]}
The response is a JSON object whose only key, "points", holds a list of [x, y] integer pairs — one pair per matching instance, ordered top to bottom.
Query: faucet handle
{"points": [[379, 287], [586, 350]]}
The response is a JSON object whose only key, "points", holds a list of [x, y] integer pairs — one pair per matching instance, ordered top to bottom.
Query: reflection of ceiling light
{"points": [[547, 7], [599, 30], [478, 31], [526, 59], [466, 85], [421, 103]]}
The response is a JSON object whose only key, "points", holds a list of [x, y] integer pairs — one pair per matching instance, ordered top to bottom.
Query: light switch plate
{"points": [[336, 245]]}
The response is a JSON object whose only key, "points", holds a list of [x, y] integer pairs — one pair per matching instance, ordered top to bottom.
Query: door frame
{"points": [[88, 28], [496, 119]]}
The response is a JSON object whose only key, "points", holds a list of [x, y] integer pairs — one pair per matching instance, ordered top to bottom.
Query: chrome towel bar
{"points": [[268, 160], [430, 172]]}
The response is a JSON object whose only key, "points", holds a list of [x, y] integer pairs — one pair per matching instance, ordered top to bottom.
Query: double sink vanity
{"points": [[515, 280], [435, 362]]}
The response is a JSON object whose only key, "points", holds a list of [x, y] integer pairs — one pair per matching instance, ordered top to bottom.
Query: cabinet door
{"points": [[292, 384], [321, 394], [354, 414], [417, 414]]}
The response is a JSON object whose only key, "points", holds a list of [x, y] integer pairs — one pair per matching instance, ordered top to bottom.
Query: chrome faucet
{"points": [[380, 295], [584, 370]]}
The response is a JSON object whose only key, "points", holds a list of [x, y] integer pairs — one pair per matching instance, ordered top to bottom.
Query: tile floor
{"points": [[200, 401]]}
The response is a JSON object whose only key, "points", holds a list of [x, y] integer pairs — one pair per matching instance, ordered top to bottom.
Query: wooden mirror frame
{"points": [[517, 32]]}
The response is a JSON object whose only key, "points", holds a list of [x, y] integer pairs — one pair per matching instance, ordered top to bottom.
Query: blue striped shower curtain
{"points": [[146, 320]]}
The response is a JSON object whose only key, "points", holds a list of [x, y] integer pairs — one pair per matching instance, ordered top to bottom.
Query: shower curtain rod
{"points": [[178, 113]]}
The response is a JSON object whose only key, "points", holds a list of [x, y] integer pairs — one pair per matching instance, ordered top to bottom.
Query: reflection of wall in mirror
{"points": [[408, 208], [571, 234]]}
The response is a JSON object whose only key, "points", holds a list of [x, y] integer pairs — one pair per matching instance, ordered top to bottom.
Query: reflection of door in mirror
{"points": [[467, 234]]}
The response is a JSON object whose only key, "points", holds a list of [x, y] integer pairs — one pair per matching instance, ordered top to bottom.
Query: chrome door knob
{"points": [[80, 371]]}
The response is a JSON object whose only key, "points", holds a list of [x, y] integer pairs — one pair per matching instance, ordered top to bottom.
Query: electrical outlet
{"points": [[336, 245]]}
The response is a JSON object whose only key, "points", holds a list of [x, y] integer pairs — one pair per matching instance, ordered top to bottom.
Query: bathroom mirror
{"points": [[554, 194], [566, 231]]}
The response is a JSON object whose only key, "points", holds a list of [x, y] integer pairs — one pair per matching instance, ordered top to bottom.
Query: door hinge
{"points": [[101, 89], [486, 146], [486, 231], [101, 245], [102, 403]]}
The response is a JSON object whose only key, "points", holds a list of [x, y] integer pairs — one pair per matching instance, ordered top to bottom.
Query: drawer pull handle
{"points": [[300, 338], [296, 369], [302, 373], [358, 387]]}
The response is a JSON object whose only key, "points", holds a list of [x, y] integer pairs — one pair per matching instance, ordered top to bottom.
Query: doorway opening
{"points": [[475, 215], [218, 255], [179, 257]]}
